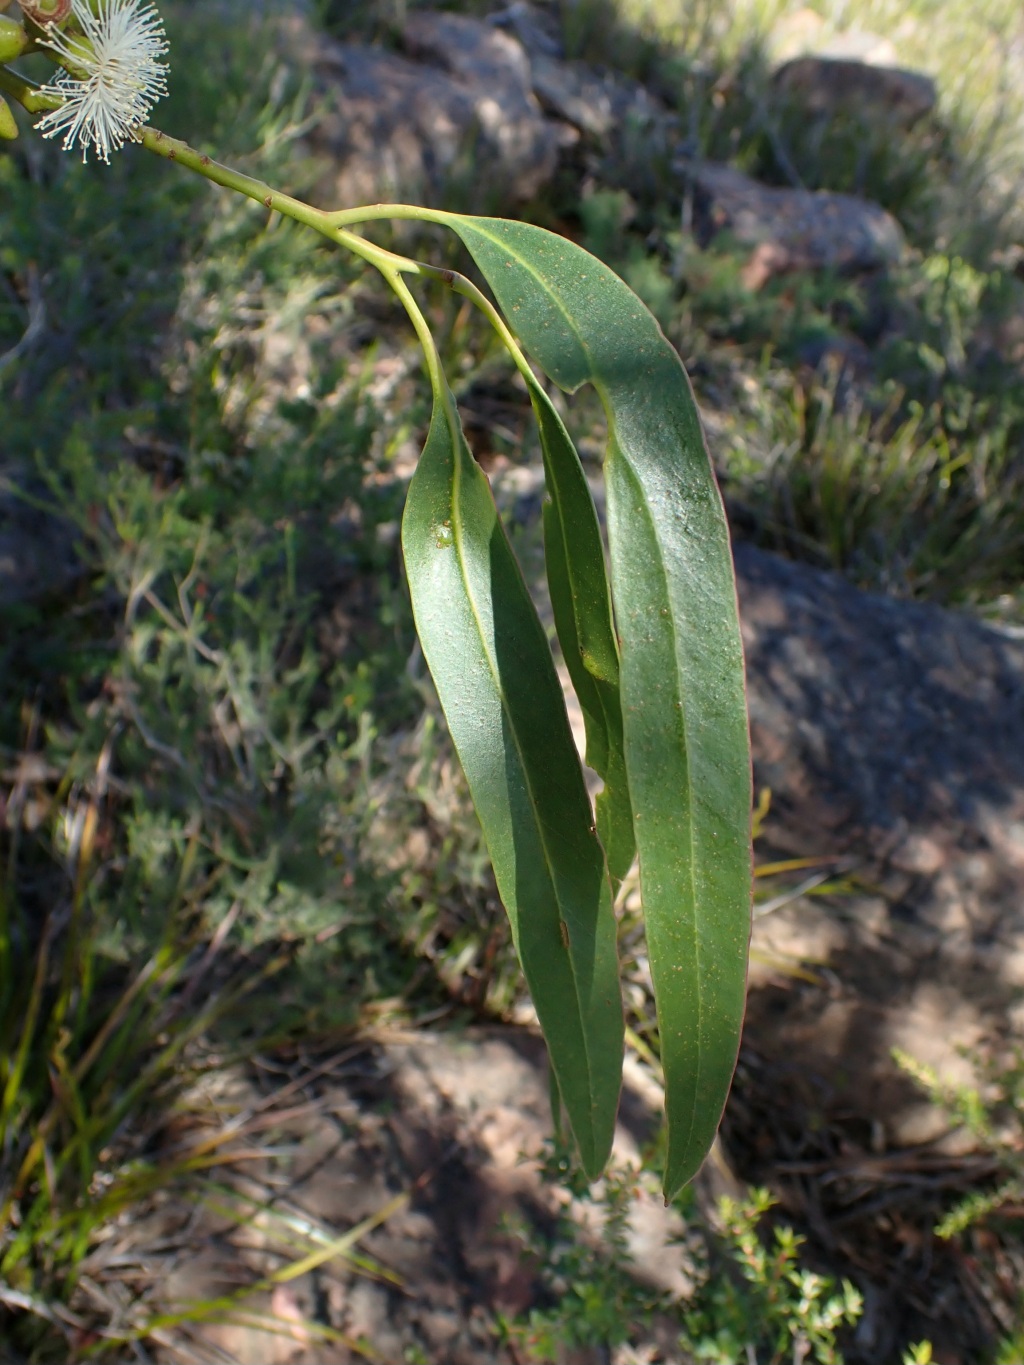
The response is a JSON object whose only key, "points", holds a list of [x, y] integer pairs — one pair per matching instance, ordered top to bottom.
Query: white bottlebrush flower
{"points": [[118, 75]]}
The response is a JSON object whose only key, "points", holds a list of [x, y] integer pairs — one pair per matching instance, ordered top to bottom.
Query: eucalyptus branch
{"points": [[174, 149], [330, 225], [659, 676]]}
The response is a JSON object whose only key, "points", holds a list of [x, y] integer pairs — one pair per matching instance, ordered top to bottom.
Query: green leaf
{"points": [[580, 599], [496, 680], [683, 703], [601, 704]]}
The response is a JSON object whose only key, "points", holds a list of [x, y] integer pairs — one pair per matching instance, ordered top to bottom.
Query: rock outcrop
{"points": [[826, 86], [456, 107], [791, 229], [894, 729]]}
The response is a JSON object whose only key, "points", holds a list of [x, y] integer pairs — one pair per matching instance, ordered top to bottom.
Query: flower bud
{"points": [[43, 12], [13, 40], [8, 128]]}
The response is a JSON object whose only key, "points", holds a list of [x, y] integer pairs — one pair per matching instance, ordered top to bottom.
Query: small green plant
{"points": [[188, 773], [993, 1113], [595, 1300], [752, 1300], [757, 1303], [918, 1354]]}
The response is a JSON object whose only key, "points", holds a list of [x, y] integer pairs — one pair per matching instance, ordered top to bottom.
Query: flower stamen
{"points": [[115, 75]]}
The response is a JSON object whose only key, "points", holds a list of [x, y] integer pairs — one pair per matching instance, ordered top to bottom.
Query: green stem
{"points": [[30, 97], [173, 149], [371, 212], [331, 225], [391, 265], [458, 283], [422, 329], [438, 383]]}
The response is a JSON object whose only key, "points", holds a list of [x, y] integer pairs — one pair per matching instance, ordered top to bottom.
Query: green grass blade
{"points": [[496, 681], [686, 741], [12, 1093]]}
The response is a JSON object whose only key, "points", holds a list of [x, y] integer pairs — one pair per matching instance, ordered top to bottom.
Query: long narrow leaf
{"points": [[578, 583], [496, 681], [686, 742]]}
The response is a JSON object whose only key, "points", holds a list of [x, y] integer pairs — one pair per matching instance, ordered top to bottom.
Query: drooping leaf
{"points": [[580, 599], [681, 672], [496, 680], [600, 702]]}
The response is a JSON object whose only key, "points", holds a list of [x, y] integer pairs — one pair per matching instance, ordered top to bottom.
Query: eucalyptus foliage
{"points": [[649, 631]]}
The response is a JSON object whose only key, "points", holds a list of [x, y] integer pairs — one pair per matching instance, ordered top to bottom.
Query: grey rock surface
{"points": [[537, 29], [825, 86], [574, 94], [597, 103], [457, 105], [791, 229], [890, 725], [891, 735]]}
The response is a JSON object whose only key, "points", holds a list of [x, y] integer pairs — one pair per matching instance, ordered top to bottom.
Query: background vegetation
{"points": [[221, 761]]}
